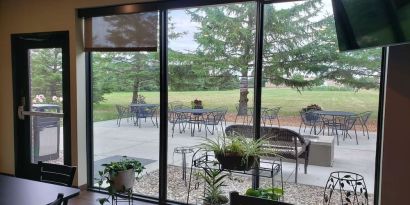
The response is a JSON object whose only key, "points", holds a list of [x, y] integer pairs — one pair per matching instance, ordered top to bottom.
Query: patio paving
{"points": [[129, 140]]}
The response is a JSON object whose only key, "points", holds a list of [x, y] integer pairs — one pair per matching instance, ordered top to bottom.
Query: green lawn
{"points": [[290, 100]]}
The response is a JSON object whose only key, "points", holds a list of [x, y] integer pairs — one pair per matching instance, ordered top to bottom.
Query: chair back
{"points": [[121, 109], [271, 113], [309, 117], [364, 117], [214, 118], [350, 121], [57, 174], [236, 199], [58, 201]]}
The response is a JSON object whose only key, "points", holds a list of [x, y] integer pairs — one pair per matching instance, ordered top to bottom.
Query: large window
{"points": [[210, 87], [318, 107]]}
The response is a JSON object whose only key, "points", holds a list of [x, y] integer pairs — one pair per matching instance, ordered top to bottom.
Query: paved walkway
{"points": [[129, 140]]}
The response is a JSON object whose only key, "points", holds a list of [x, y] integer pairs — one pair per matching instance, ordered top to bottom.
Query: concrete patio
{"points": [[111, 140]]}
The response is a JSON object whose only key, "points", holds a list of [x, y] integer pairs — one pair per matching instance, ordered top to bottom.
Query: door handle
{"points": [[22, 113]]}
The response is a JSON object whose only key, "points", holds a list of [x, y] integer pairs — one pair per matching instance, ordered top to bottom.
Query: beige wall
{"points": [[27, 16], [396, 152]]}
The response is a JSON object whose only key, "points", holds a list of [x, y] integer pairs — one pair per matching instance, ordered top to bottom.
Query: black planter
{"points": [[235, 162]]}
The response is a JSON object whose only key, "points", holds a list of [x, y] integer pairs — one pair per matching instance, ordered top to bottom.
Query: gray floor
{"points": [[129, 140]]}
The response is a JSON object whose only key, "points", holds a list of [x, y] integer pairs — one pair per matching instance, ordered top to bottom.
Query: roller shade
{"points": [[124, 32]]}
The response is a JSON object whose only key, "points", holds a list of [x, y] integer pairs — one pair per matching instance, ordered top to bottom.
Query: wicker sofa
{"points": [[286, 143]]}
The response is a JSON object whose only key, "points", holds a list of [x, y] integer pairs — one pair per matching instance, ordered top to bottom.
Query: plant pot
{"points": [[198, 107], [236, 162], [123, 181]]}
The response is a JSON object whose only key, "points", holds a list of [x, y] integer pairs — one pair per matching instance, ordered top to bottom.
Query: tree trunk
{"points": [[135, 90], [243, 96]]}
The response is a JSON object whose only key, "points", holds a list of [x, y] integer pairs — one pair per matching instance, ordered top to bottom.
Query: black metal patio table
{"points": [[197, 113], [333, 115], [19, 191]]}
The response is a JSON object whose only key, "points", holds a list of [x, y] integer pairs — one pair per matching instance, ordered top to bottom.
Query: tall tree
{"points": [[226, 41], [300, 47], [46, 71]]}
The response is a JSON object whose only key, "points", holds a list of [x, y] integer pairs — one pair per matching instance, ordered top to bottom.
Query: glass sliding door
{"points": [[211, 56], [125, 96], [317, 103]]}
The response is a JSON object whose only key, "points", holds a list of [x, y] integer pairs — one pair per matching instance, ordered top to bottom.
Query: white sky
{"points": [[182, 23]]}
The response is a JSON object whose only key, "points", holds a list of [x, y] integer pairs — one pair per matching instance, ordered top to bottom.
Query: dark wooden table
{"points": [[17, 191]]}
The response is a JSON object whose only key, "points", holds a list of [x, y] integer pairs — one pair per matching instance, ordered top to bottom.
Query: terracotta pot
{"points": [[235, 162], [124, 180]]}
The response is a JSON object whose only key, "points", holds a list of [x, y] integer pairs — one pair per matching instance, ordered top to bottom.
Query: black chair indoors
{"points": [[57, 174], [236, 199], [58, 201]]}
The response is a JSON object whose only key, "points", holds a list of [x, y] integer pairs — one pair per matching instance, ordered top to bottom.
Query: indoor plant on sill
{"points": [[237, 152], [120, 176], [214, 180]]}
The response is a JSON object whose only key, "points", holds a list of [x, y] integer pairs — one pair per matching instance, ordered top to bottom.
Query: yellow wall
{"points": [[28, 16]]}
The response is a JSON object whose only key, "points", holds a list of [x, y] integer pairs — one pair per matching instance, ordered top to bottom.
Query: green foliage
{"points": [[46, 72], [237, 145], [112, 169], [214, 180], [268, 193]]}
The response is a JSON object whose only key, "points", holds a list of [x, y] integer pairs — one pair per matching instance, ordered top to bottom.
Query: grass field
{"points": [[288, 99]]}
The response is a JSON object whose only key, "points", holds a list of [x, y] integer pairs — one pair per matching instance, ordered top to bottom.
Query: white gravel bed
{"points": [[294, 193]]}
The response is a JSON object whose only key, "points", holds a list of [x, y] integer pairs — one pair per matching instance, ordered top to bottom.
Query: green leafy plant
{"points": [[238, 145], [112, 170], [214, 180], [269, 193]]}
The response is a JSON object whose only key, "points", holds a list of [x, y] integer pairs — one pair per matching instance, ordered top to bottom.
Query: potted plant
{"points": [[197, 104], [312, 107], [237, 152], [120, 176], [214, 180], [273, 193]]}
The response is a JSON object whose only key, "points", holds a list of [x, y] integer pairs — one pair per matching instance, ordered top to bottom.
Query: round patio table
{"points": [[197, 113], [335, 113], [332, 122]]}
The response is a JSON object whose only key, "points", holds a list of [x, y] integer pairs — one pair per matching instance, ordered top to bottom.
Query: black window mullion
{"points": [[258, 78], [163, 130]]}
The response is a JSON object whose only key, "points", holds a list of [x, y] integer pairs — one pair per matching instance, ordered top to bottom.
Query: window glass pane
{"points": [[211, 65], [304, 73], [125, 91], [46, 94]]}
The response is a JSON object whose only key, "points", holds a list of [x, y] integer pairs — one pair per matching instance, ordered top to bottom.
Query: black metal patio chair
{"points": [[123, 112], [145, 112], [245, 113], [270, 114], [177, 117], [213, 119], [311, 119], [363, 119]]}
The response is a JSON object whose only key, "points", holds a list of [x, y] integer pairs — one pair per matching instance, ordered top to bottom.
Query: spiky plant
{"points": [[214, 180]]}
